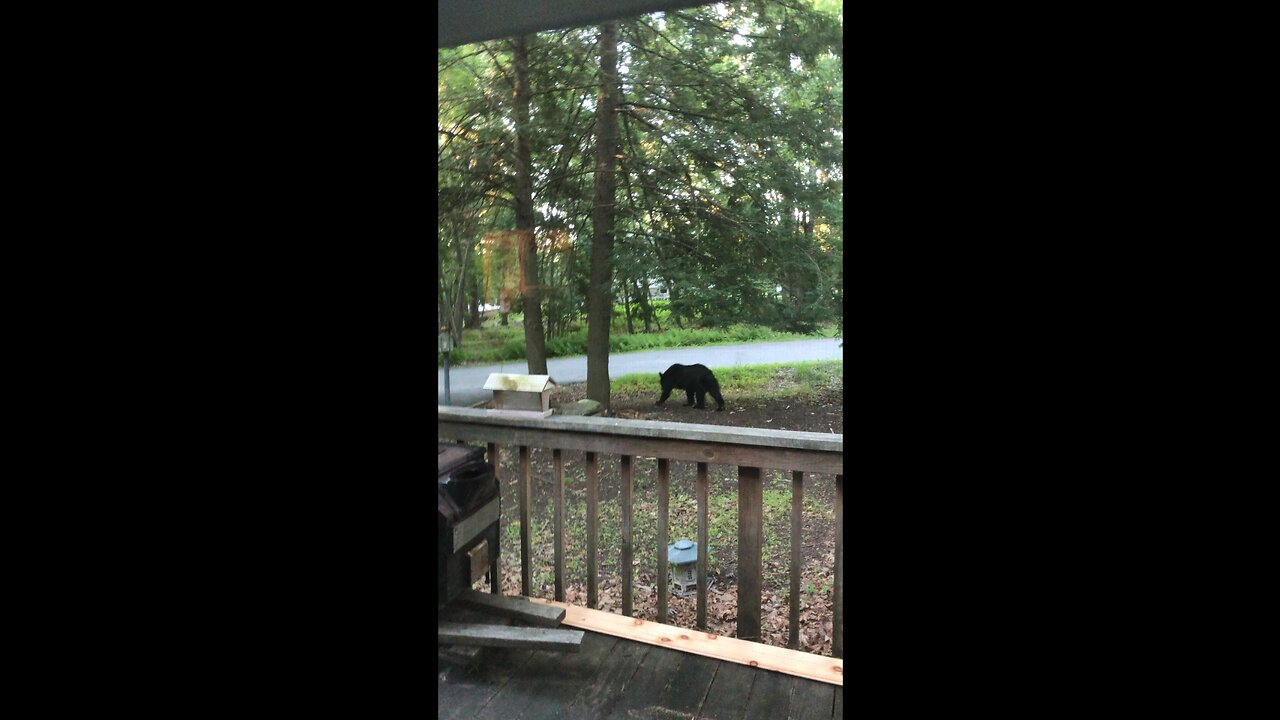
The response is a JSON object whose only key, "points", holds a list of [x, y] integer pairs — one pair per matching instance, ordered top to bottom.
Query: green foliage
{"points": [[730, 168], [496, 335], [492, 345]]}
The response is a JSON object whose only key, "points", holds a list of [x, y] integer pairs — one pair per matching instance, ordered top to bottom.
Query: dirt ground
{"points": [[823, 414], [826, 415]]}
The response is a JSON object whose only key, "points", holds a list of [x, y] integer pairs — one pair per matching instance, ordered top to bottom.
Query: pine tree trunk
{"points": [[599, 295], [458, 305], [535, 342]]}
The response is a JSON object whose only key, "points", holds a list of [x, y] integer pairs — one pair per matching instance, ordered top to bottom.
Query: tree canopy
{"points": [[728, 182]]}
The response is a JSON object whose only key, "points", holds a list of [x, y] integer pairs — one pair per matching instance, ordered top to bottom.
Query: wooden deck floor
{"points": [[617, 678]]}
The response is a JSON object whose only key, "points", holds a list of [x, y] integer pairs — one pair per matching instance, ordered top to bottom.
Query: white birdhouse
{"points": [[521, 394]]}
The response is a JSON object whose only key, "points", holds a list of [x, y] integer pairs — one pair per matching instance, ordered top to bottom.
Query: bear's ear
{"points": [[659, 375]]}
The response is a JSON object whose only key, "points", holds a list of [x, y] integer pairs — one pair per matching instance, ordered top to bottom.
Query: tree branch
{"points": [[714, 26], [676, 111]]}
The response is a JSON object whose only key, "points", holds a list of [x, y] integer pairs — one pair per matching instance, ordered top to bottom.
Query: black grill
{"points": [[466, 520]]}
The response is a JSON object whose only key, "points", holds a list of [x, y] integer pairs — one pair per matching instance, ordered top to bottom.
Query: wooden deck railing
{"points": [[750, 449]]}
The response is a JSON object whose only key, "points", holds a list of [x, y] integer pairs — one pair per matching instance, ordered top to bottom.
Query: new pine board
{"points": [[793, 662]]}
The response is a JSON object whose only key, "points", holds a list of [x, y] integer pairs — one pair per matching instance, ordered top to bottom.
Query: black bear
{"points": [[691, 379]]}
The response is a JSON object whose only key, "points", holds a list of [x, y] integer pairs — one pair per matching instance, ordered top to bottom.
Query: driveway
{"points": [[466, 383]]}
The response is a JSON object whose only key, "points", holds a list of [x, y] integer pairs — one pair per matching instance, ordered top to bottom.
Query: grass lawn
{"points": [[500, 344]]}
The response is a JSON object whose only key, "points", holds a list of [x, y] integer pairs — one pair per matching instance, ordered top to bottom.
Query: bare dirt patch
{"points": [[825, 414]]}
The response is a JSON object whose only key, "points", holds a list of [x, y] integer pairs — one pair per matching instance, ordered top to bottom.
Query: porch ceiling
{"points": [[467, 21]]}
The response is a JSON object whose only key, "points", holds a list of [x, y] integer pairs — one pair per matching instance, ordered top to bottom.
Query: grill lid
{"points": [[451, 456], [466, 482]]}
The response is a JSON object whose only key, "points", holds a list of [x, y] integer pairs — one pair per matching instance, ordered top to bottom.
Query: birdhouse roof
{"points": [[519, 383], [682, 551]]}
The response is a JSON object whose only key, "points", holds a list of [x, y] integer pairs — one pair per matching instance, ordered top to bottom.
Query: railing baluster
{"points": [[557, 474], [664, 480], [525, 491], [797, 503], [593, 513], [750, 525], [626, 535], [702, 545], [495, 572], [837, 591]]}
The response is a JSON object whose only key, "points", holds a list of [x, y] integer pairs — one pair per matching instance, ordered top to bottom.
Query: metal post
{"points": [[445, 343], [446, 378]]}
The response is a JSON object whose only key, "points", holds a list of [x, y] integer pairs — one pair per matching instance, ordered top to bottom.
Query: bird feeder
{"points": [[528, 395], [683, 554]]}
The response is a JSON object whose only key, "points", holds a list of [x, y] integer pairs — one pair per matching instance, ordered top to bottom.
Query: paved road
{"points": [[466, 383]]}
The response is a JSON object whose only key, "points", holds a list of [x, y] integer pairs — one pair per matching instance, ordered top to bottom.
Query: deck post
{"points": [[557, 476], [664, 484], [750, 528], [593, 531], [626, 535], [702, 546], [797, 565], [526, 569], [495, 570], [837, 590]]}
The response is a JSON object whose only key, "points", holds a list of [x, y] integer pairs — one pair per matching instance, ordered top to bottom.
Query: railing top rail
{"points": [[793, 439]]}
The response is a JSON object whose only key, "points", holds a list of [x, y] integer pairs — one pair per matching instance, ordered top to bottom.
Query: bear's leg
{"points": [[666, 393], [715, 393], [690, 394], [702, 399]]}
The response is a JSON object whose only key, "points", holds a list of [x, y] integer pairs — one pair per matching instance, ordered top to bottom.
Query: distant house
{"points": [[657, 291]]}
